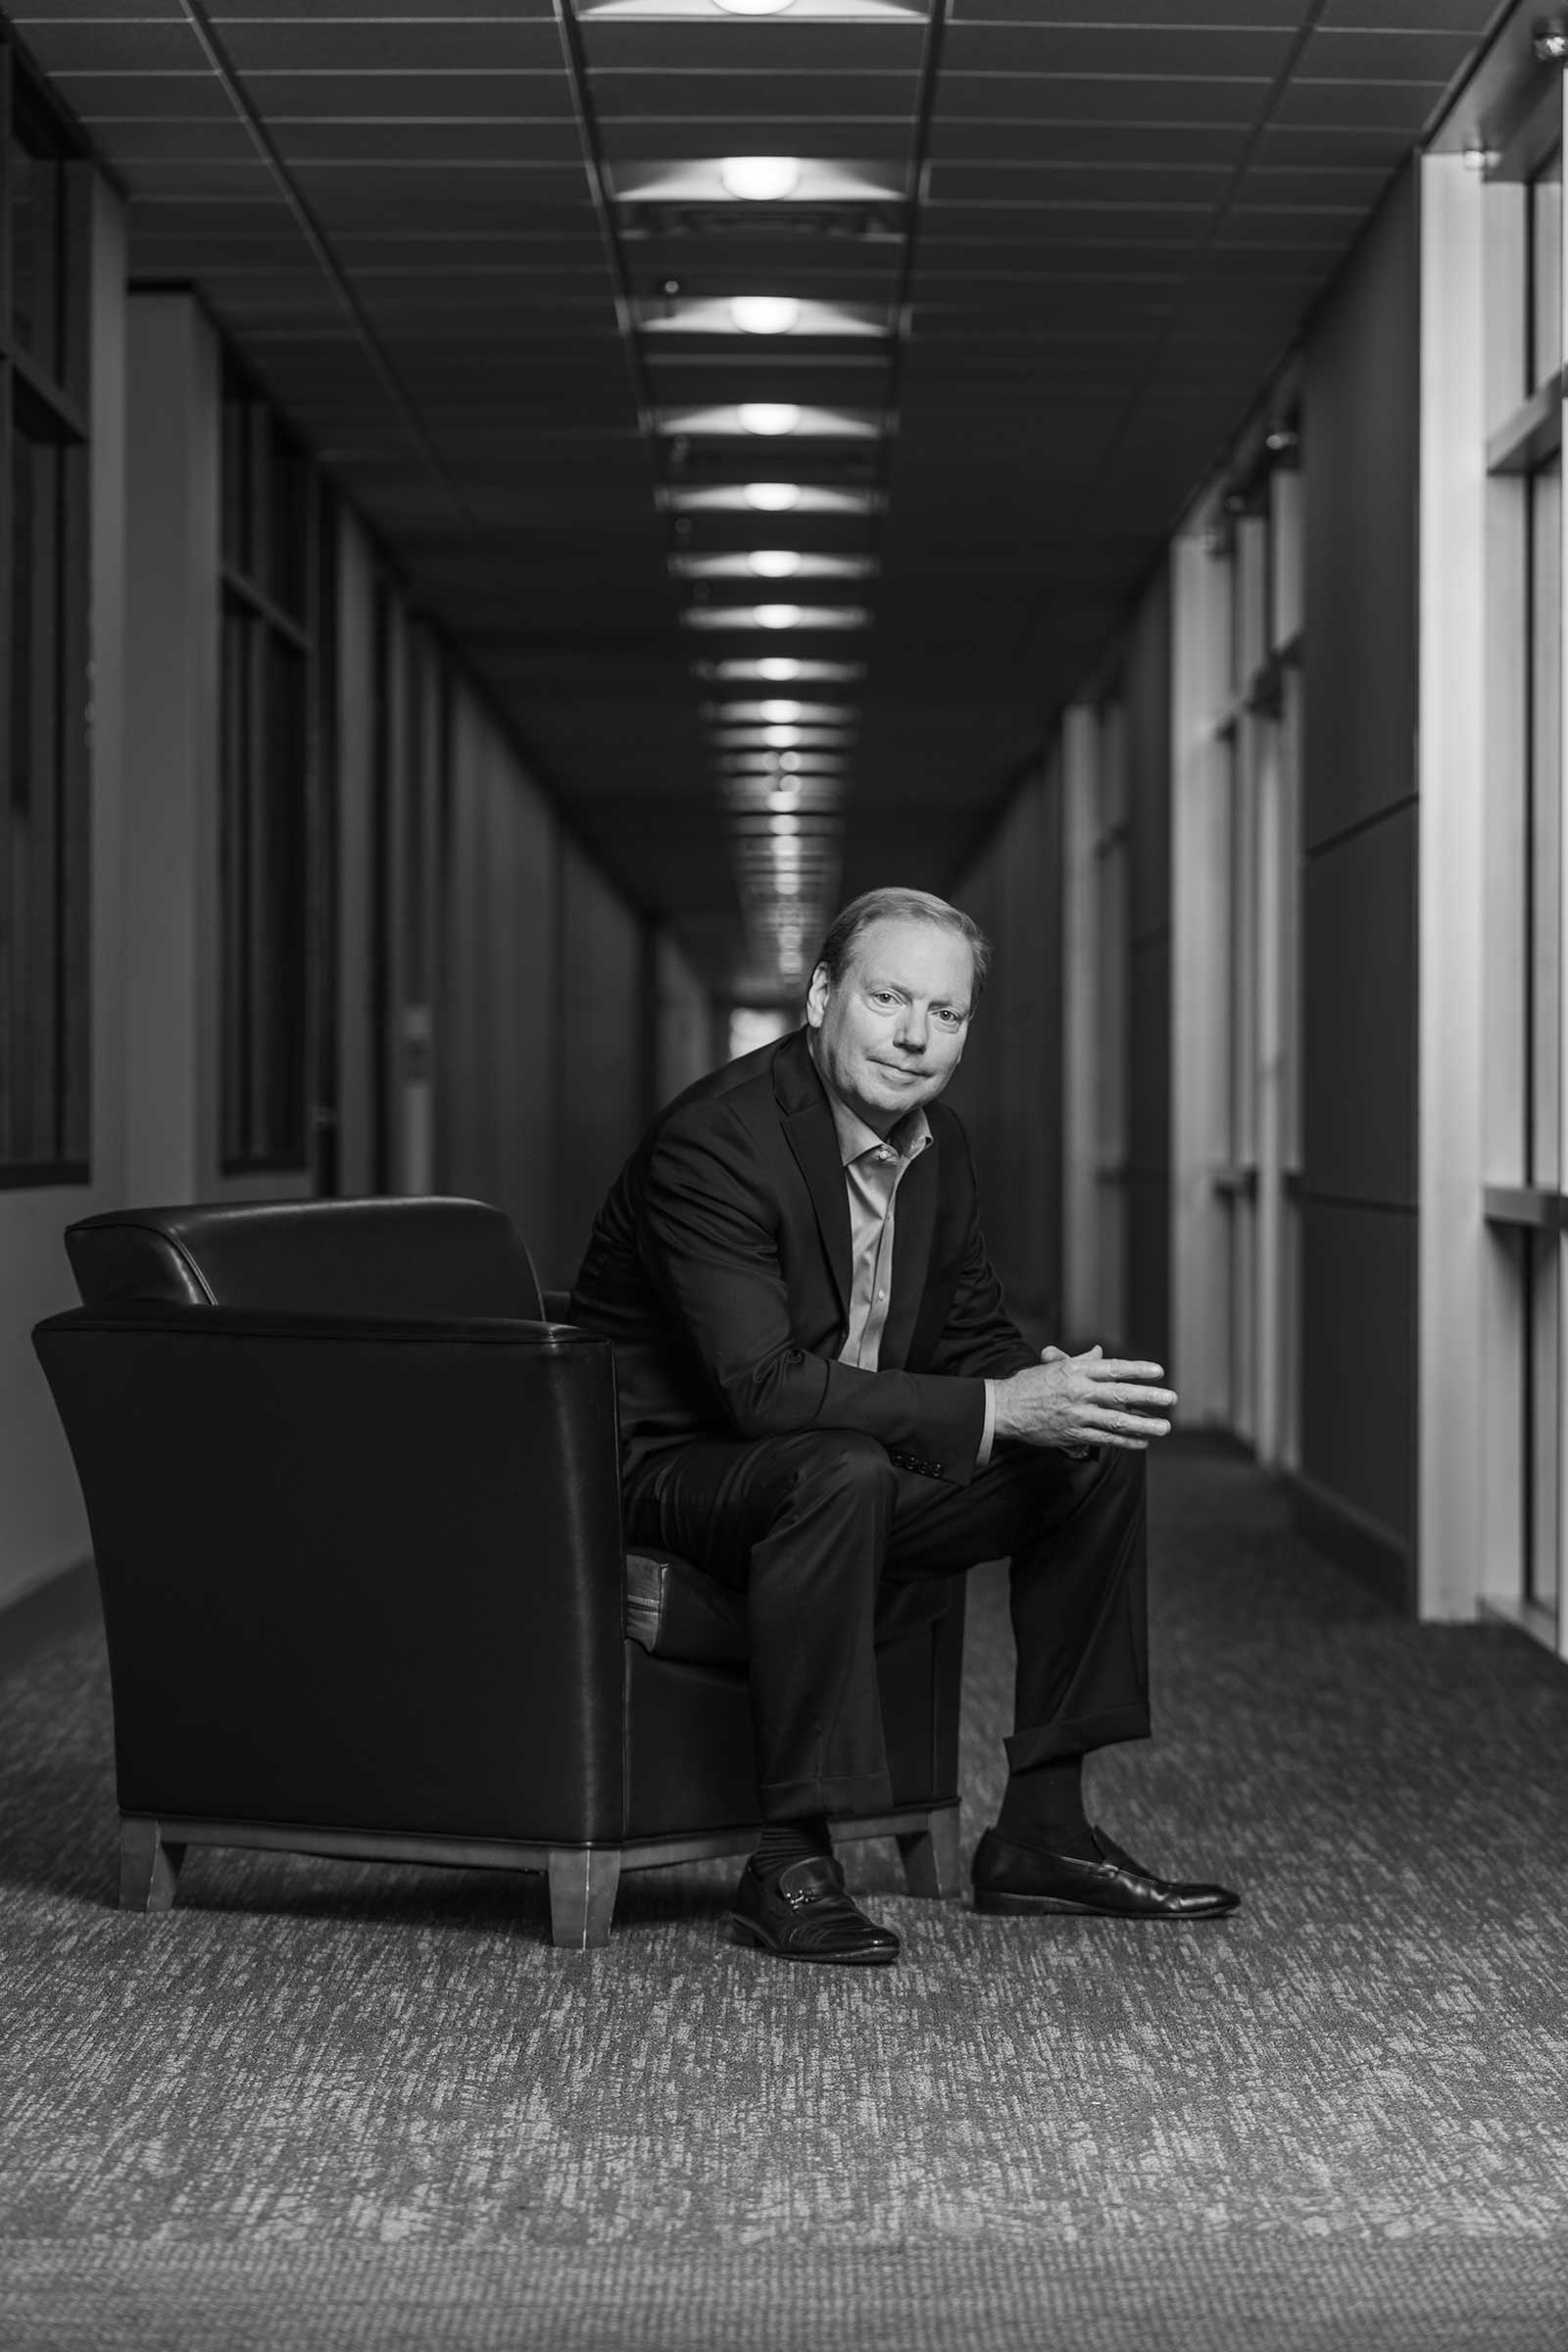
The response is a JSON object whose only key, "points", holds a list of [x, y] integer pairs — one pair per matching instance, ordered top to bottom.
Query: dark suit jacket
{"points": [[720, 1267]]}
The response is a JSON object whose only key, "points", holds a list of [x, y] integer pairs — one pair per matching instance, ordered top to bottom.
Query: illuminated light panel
{"points": [[760, 179], [757, 180], [765, 314], [768, 416], [764, 418], [730, 498], [772, 498], [773, 564], [776, 616], [780, 669], [781, 712]]}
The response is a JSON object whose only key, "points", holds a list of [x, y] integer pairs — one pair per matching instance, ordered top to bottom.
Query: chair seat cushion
{"points": [[674, 1612]]}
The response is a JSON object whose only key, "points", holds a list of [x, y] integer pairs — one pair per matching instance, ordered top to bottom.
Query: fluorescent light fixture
{"points": [[754, 7], [760, 179], [765, 314], [768, 416], [730, 498], [773, 563], [778, 616], [779, 669], [781, 713], [781, 738], [783, 824]]}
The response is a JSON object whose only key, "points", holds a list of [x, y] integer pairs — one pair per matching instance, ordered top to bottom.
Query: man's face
{"points": [[891, 1034]]}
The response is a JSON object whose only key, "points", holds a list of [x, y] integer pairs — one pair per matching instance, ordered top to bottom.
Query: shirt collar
{"points": [[909, 1136]]}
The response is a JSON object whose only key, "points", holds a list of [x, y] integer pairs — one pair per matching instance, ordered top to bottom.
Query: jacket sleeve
{"points": [[710, 1236]]}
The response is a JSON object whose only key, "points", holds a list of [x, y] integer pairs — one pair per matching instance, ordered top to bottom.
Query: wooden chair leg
{"points": [[932, 1862], [149, 1867], [582, 1895]]}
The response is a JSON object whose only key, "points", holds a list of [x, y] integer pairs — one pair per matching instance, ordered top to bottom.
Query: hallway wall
{"points": [[1360, 396], [472, 1007], [1008, 1091]]}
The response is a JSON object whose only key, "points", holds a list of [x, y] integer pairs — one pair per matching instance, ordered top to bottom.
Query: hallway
{"points": [[320, 2105]]}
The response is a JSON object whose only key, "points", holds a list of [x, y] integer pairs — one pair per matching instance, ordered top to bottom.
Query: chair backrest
{"points": [[376, 1256]]}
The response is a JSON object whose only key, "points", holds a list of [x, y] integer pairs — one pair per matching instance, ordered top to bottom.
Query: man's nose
{"points": [[913, 1029]]}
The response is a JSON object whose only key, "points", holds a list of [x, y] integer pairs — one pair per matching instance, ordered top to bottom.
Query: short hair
{"points": [[895, 904]]}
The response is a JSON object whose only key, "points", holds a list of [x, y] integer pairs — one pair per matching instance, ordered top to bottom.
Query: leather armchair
{"points": [[355, 1509]]}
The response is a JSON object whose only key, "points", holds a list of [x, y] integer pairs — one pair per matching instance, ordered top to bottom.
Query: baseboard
{"points": [[1353, 1541], [46, 1613]]}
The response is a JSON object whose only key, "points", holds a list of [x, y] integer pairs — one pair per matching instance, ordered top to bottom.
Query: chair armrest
{"points": [[196, 1321], [355, 1569]]}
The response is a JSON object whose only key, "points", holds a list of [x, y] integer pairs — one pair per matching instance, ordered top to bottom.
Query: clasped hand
{"points": [[1076, 1401]]}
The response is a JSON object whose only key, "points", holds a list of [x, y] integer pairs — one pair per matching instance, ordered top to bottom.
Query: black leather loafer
{"points": [[1021, 1882], [805, 1914]]}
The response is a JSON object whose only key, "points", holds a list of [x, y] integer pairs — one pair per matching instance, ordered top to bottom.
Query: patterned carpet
{"points": [[323, 2106]]}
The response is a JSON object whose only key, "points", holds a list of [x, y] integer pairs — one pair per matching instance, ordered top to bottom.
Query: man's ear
{"points": [[816, 997]]}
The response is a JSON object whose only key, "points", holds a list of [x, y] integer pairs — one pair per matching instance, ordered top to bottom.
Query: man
{"points": [[818, 1383]]}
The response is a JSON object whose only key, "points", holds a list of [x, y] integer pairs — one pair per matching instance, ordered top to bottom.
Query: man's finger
{"points": [[1112, 1367], [1131, 1392], [1130, 1423]]}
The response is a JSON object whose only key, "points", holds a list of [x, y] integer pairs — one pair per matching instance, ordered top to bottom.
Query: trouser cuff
{"points": [[1047, 1742], [795, 1800]]}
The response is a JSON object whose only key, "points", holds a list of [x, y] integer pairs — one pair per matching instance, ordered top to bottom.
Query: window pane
{"points": [[36, 232], [1546, 270], [1543, 836], [261, 864], [43, 948]]}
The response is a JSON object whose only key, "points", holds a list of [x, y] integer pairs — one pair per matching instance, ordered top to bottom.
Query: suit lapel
{"points": [[812, 1136], [913, 1224]]}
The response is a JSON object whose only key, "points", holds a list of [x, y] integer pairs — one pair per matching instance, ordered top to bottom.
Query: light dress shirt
{"points": [[873, 1170]]}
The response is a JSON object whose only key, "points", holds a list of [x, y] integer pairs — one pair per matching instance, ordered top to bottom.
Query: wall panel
{"points": [[1360, 404], [1144, 696], [1358, 916], [1359, 949], [605, 1035], [494, 1059], [1357, 1396]]}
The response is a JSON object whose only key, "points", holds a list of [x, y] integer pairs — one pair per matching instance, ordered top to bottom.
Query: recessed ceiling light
{"points": [[754, 7], [760, 179], [765, 314], [769, 415], [772, 498], [773, 563], [778, 617], [778, 668], [777, 713], [780, 739]]}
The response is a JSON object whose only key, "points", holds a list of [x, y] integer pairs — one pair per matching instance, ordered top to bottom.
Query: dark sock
{"points": [[1044, 1806], [785, 1841]]}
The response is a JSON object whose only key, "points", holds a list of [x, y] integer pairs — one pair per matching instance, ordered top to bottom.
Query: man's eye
{"points": [[881, 996], [952, 1019]]}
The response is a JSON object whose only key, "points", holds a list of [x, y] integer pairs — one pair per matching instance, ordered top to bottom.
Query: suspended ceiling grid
{"points": [[424, 227]]}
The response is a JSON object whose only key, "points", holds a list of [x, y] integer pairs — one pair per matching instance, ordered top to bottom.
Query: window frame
{"points": [[47, 1046]]}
